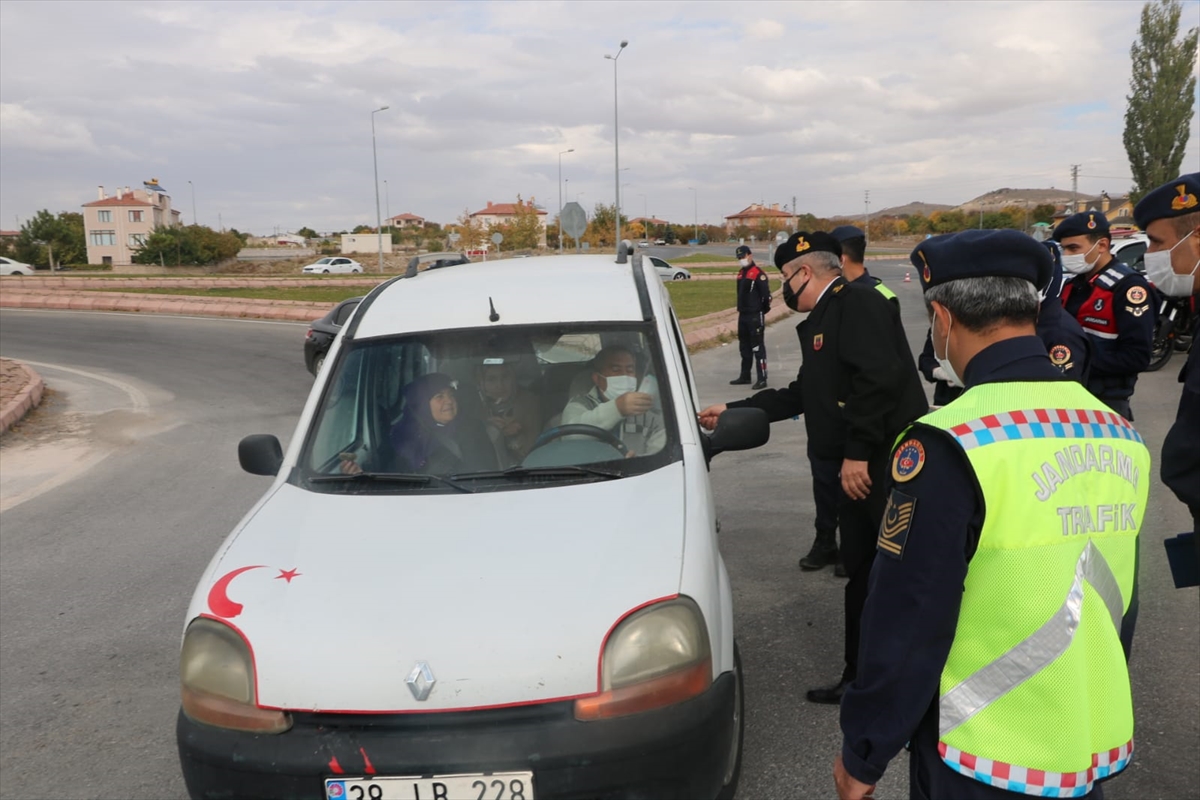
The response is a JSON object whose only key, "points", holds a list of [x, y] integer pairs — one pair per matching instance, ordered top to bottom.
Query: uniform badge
{"points": [[1185, 200], [1091, 222], [801, 245], [925, 274], [838, 288], [1136, 295], [1099, 304], [1137, 311], [818, 341], [1060, 355], [909, 459], [897, 520]]}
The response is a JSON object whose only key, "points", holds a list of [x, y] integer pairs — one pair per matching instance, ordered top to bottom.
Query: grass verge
{"points": [[702, 258], [307, 294], [697, 298]]}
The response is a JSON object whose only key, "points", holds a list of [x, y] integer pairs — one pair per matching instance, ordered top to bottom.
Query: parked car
{"points": [[660, 242], [643, 243], [1132, 250], [334, 264], [10, 267], [668, 272], [323, 331], [399, 616]]}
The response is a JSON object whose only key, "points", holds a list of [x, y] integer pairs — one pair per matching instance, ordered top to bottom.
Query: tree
{"points": [[1158, 113], [1043, 212], [363, 229], [601, 229], [470, 231], [522, 231], [307, 233], [45, 236], [197, 245]]}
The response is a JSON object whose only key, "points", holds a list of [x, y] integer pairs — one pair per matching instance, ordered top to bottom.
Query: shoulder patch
{"points": [[762, 276], [839, 287], [1136, 295], [818, 341], [1060, 354], [908, 461], [897, 521]]}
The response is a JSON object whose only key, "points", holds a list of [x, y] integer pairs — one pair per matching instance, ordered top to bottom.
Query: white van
{"points": [[476, 573]]}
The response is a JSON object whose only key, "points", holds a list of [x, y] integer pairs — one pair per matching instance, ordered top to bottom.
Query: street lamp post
{"points": [[616, 140], [193, 187], [560, 188], [387, 199], [695, 212], [378, 215], [645, 216]]}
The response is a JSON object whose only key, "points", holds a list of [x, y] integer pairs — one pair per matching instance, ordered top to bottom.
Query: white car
{"points": [[1132, 250], [334, 264], [10, 267], [667, 272], [417, 609]]}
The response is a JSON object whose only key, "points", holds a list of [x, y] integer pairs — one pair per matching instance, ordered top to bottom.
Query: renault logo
{"points": [[420, 681]]}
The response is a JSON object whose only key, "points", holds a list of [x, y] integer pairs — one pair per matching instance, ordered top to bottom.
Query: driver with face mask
{"points": [[1113, 304], [615, 403]]}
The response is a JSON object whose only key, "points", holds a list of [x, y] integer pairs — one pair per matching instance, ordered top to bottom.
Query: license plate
{"points": [[494, 786]]}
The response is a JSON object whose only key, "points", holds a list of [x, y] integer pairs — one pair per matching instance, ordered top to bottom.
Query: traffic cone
{"points": [[907, 278]]}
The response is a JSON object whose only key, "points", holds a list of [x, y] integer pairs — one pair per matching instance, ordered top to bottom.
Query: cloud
{"points": [[266, 106]]}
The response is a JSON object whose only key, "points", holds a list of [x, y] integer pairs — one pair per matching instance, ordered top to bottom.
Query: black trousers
{"points": [[751, 342], [1119, 405], [827, 492], [859, 521]]}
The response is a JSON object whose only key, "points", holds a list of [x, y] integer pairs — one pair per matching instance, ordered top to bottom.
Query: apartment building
{"points": [[500, 213], [117, 226]]}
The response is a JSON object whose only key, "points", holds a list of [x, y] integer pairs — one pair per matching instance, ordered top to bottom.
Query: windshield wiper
{"points": [[564, 471], [390, 477]]}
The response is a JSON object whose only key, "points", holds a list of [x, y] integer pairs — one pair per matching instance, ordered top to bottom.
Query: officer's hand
{"points": [[939, 374], [632, 403], [709, 416], [856, 483], [849, 788]]}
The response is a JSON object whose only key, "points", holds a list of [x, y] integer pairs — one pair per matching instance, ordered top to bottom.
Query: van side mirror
{"points": [[738, 429], [260, 454]]}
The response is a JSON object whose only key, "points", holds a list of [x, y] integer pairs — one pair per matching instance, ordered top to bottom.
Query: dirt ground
{"points": [[12, 380]]}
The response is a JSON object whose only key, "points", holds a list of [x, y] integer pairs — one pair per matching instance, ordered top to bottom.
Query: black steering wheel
{"points": [[559, 431]]}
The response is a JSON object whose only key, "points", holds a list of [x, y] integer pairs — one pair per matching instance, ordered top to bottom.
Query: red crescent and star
{"points": [[219, 601]]}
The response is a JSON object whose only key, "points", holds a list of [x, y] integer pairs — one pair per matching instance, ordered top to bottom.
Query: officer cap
{"points": [[1174, 199], [1082, 224], [844, 232], [802, 243], [742, 251], [980, 254]]}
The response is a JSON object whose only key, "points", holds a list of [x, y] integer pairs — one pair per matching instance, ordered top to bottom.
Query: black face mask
{"points": [[792, 299]]}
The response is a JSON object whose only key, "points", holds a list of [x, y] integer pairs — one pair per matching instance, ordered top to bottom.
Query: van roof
{"points": [[549, 289]]}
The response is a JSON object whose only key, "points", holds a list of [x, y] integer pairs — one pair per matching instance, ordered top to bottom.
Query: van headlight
{"points": [[657, 656], [218, 683]]}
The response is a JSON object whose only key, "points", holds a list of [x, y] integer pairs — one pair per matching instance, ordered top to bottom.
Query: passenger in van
{"points": [[614, 405], [512, 413], [431, 437]]}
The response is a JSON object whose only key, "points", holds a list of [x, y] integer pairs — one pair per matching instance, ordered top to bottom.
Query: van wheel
{"points": [[318, 362], [733, 770]]}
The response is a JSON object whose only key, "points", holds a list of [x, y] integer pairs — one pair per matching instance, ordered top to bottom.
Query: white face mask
{"points": [[745, 262], [1078, 263], [1168, 281], [951, 376], [617, 385]]}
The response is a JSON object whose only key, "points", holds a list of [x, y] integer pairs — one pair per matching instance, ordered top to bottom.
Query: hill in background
{"points": [[1000, 198], [909, 209]]}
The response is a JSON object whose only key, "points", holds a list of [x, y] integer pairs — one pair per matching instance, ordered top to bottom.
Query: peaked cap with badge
{"points": [[1174, 199], [1085, 223], [802, 242], [978, 254]]}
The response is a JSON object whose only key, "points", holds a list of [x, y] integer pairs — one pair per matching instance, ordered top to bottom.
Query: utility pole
{"points": [[617, 145], [375, 160], [1074, 188], [388, 199], [795, 215], [867, 216]]}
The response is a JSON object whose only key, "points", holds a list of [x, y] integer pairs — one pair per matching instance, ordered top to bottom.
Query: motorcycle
{"points": [[1175, 330]]}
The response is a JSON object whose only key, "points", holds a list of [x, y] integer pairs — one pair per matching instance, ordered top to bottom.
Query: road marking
{"points": [[137, 397]]}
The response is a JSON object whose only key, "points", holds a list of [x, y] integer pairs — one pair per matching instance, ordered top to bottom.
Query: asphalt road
{"points": [[116, 493]]}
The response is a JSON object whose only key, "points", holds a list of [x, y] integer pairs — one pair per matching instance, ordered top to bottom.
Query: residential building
{"points": [[1118, 210], [502, 213], [756, 215], [406, 220], [116, 227], [9, 235], [365, 243]]}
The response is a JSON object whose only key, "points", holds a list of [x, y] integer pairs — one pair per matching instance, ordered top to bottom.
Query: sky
{"points": [[266, 107]]}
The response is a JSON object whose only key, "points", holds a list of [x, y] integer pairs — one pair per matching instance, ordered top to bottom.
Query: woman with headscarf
{"points": [[431, 437]]}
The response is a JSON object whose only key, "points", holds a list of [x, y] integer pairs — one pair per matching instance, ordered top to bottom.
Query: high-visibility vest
{"points": [[885, 291], [1034, 697]]}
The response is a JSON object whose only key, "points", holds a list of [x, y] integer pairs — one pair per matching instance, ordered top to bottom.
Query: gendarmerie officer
{"points": [[1170, 216], [854, 269], [1112, 302], [753, 303], [1066, 343], [857, 388], [1006, 559]]}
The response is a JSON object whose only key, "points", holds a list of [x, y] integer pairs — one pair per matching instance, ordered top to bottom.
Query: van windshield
{"points": [[488, 410]]}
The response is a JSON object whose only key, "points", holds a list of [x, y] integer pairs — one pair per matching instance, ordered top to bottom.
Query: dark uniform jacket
{"points": [[753, 291], [1115, 309], [1065, 341], [857, 386], [1181, 449], [912, 609]]}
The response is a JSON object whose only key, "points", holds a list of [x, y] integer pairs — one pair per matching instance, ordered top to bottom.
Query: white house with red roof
{"points": [[501, 213], [755, 214], [406, 220], [115, 227]]}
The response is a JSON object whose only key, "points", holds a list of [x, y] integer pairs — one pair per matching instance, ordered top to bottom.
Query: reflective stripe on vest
{"points": [[885, 291], [1035, 692]]}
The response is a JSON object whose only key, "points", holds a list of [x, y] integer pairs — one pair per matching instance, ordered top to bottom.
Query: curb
{"points": [[26, 400]]}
